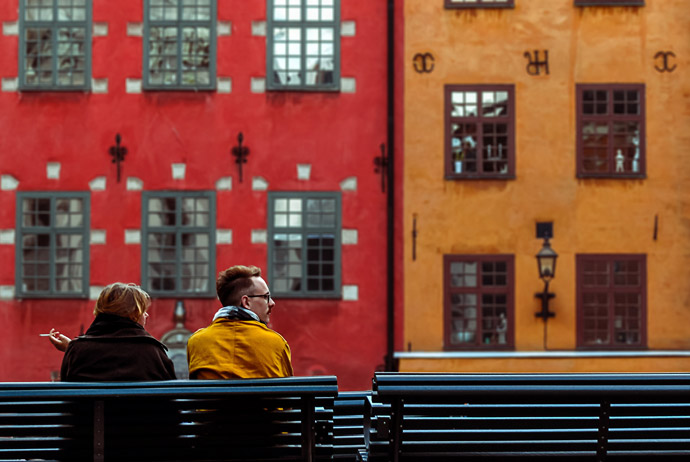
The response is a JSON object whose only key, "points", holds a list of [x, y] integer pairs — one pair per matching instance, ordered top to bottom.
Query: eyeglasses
{"points": [[266, 297]]}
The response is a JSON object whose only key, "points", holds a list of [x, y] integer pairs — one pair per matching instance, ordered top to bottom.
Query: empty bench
{"points": [[588, 417], [225, 420], [348, 425]]}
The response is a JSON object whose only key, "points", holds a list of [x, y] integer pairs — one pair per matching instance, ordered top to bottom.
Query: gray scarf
{"points": [[237, 312]]}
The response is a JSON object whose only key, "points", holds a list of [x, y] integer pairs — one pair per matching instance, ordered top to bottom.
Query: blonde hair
{"points": [[126, 300]]}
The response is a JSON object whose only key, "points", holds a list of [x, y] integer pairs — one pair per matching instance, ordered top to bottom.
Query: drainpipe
{"points": [[390, 199]]}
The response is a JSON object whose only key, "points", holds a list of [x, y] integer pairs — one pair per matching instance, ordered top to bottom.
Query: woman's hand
{"points": [[59, 340]]}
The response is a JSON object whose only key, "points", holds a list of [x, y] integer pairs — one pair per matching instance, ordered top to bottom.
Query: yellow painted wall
{"points": [[586, 45], [654, 364]]}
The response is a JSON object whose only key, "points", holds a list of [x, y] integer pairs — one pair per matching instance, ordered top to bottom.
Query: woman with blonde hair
{"points": [[116, 346]]}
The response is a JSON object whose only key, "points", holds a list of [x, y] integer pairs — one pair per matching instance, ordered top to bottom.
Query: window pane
{"points": [[304, 54], [611, 124], [480, 131], [626, 143], [595, 147], [36, 212], [178, 250], [52, 260], [304, 262], [463, 274], [612, 301], [478, 302], [463, 319]]}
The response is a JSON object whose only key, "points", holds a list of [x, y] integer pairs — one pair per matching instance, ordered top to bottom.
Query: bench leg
{"points": [[308, 428], [98, 431]]}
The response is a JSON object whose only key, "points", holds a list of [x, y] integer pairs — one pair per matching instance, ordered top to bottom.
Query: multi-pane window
{"points": [[609, 2], [479, 3], [303, 41], [55, 44], [179, 44], [611, 130], [480, 141], [52, 244], [304, 244], [178, 245], [611, 301], [478, 302]]}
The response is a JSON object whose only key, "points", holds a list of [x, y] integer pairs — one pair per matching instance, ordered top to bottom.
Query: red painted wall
{"points": [[337, 133]]}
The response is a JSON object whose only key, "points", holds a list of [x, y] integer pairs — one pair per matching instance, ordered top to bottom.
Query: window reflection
{"points": [[303, 42], [179, 50], [54, 52], [179, 244], [53, 246]]}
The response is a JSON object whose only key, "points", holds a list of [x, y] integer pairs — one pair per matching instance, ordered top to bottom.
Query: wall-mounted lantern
{"points": [[546, 263]]}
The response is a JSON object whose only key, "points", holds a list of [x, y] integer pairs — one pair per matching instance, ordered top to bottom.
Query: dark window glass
{"points": [[55, 44], [179, 44], [480, 131], [611, 131], [179, 243], [53, 244], [304, 244], [611, 301], [478, 302]]}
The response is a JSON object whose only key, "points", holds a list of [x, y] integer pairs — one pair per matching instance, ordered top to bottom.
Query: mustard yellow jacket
{"points": [[231, 348]]}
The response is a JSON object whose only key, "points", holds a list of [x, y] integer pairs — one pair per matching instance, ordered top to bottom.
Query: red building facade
{"points": [[303, 82]]}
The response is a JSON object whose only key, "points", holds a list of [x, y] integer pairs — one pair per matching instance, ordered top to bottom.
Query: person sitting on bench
{"points": [[239, 343], [116, 347]]}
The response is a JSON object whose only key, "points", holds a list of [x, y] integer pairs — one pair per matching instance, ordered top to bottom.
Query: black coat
{"points": [[116, 349]]}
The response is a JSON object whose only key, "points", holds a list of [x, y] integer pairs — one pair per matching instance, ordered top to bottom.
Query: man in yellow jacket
{"points": [[238, 343]]}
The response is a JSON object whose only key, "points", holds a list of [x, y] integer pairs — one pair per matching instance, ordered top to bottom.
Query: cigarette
{"points": [[45, 335]]}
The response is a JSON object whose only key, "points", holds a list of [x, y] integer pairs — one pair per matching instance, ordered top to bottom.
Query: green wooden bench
{"points": [[234, 420]]}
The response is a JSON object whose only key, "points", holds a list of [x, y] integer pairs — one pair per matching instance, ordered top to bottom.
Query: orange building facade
{"points": [[557, 118]]}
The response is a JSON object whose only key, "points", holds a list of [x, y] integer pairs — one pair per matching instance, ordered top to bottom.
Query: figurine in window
{"points": [[467, 153], [619, 161], [501, 329]]}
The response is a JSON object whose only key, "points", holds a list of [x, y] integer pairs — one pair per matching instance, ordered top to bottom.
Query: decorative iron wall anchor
{"points": [[423, 63], [534, 65], [664, 67], [118, 152], [240, 152], [381, 166], [414, 236]]}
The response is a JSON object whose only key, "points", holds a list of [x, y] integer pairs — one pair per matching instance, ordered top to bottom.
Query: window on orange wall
{"points": [[609, 2], [479, 3], [55, 45], [611, 130], [480, 132], [611, 301], [479, 302]]}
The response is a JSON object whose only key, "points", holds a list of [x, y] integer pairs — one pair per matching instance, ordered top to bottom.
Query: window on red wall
{"points": [[479, 3], [611, 130], [480, 131], [479, 294], [611, 301]]}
